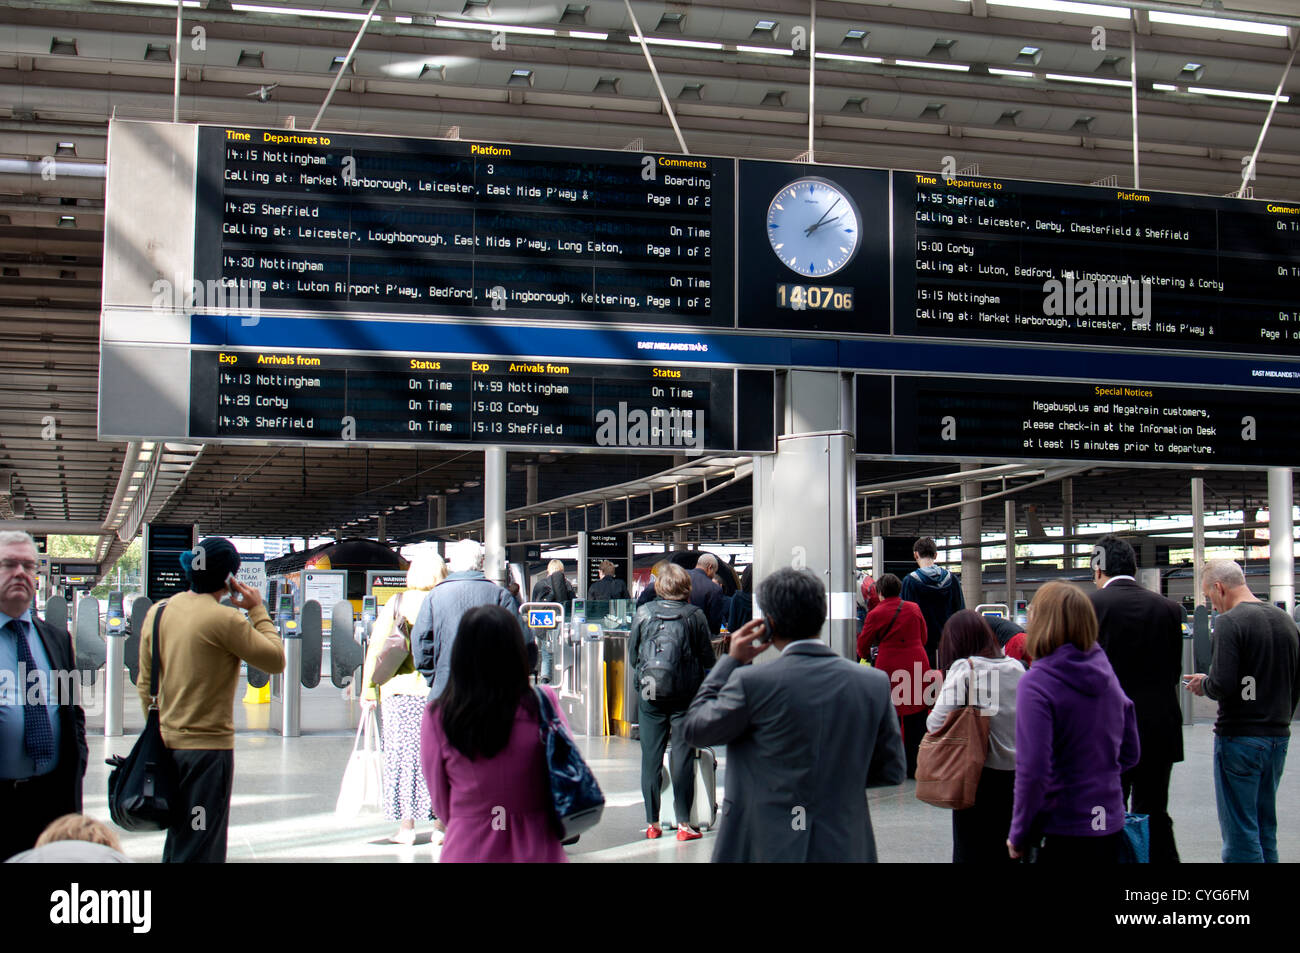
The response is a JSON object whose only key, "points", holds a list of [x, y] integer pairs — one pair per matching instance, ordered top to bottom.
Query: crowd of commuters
{"points": [[1086, 729]]}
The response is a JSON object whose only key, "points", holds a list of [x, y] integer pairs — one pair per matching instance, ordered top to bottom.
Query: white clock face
{"points": [[813, 227]]}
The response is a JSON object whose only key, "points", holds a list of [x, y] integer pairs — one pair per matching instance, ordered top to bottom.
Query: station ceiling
{"points": [[1004, 89]]}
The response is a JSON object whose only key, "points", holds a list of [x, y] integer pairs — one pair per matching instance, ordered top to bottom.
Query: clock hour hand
{"points": [[822, 221], [814, 228]]}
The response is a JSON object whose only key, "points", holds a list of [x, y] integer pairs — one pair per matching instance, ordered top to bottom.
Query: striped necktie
{"points": [[38, 735]]}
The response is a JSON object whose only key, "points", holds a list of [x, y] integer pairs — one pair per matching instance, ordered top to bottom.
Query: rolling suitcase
{"points": [[704, 808]]}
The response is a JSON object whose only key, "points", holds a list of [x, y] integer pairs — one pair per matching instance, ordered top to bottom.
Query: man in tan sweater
{"points": [[202, 644]]}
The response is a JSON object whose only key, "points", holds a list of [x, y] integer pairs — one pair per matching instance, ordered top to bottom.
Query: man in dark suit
{"points": [[1142, 634], [42, 728], [806, 735]]}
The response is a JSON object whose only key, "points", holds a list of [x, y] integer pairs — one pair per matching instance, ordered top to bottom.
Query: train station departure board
{"points": [[419, 226], [1038, 262], [1114, 421]]}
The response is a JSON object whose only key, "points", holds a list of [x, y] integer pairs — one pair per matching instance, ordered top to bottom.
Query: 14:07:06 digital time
{"points": [[814, 297]]}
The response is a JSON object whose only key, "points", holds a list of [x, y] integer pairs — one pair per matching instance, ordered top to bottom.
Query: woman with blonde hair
{"points": [[1076, 733], [406, 796]]}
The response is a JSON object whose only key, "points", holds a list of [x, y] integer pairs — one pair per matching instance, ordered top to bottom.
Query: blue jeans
{"points": [[1247, 771]]}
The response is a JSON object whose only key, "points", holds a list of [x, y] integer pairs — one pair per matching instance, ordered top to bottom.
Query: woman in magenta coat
{"points": [[899, 628], [481, 750]]}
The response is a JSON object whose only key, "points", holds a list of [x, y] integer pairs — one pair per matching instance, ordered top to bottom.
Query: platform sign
{"points": [[595, 548], [161, 552], [326, 586], [541, 618]]}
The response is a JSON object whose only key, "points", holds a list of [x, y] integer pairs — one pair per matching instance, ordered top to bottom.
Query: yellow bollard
{"points": [[258, 696]]}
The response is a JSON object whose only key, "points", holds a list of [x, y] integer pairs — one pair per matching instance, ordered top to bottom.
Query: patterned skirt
{"points": [[406, 796]]}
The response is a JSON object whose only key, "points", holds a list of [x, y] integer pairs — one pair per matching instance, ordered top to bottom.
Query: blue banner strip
{"points": [[732, 348]]}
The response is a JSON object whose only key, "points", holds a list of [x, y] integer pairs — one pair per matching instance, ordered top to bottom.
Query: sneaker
{"points": [[653, 831], [686, 832]]}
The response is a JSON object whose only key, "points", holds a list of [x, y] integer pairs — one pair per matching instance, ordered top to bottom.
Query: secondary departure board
{"points": [[434, 227], [1030, 261], [322, 398], [1112, 421]]}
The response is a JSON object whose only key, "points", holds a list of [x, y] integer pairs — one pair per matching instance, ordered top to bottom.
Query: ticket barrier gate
{"points": [[348, 638], [90, 648], [302, 659], [580, 665], [115, 672], [1185, 698]]}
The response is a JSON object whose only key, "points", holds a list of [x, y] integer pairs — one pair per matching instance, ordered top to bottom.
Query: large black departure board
{"points": [[419, 226], [1031, 261], [323, 398], [1113, 421]]}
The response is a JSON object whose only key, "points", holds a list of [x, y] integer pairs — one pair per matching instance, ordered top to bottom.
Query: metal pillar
{"points": [[680, 492], [530, 496], [1010, 510], [494, 513], [1067, 519], [972, 526], [381, 533], [1198, 538], [1281, 538]]}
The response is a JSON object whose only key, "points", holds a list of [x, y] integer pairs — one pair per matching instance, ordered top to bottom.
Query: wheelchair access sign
{"points": [[541, 618]]}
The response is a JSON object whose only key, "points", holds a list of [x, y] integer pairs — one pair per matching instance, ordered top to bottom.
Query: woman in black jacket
{"points": [[671, 649]]}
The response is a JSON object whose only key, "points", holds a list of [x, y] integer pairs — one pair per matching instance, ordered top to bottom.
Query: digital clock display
{"points": [[814, 297]]}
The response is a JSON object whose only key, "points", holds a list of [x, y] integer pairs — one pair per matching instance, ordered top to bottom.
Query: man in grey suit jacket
{"points": [[806, 735]]}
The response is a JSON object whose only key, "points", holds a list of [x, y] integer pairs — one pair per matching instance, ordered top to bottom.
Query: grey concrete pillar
{"points": [[804, 501], [494, 514], [972, 526], [1281, 538]]}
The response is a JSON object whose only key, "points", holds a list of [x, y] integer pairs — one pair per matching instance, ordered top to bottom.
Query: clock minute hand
{"points": [[820, 224]]}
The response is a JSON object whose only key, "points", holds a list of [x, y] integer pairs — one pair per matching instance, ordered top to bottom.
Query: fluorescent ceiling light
{"points": [[156, 3], [1064, 6], [298, 12], [1219, 23], [493, 27], [588, 35], [660, 41], [777, 50], [850, 57], [921, 64], [997, 71], [1065, 77], [1164, 87], [1234, 94]]}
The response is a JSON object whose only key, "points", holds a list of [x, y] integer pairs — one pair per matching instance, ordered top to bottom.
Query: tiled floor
{"points": [[285, 790]]}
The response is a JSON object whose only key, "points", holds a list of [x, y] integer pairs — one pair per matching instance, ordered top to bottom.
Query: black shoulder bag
{"points": [[144, 787]]}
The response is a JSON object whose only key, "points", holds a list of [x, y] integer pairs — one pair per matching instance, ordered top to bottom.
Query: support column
{"points": [[680, 492], [530, 496], [804, 500], [1010, 510], [494, 514], [1067, 519], [972, 526], [382, 532], [1198, 537], [1281, 539]]}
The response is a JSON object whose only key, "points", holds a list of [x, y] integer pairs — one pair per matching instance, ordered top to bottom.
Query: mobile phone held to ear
{"points": [[230, 585], [764, 633]]}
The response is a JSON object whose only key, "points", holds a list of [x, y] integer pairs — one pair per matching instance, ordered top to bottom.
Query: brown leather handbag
{"points": [[950, 761]]}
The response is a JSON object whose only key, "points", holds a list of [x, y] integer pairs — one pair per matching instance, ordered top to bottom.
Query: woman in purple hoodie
{"points": [[1075, 735]]}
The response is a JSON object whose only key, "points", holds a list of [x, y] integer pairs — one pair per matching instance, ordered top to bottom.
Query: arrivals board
{"points": [[421, 226], [312, 397], [1115, 421]]}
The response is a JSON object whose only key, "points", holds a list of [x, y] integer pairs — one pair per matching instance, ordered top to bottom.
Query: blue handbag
{"points": [[576, 797], [1136, 845]]}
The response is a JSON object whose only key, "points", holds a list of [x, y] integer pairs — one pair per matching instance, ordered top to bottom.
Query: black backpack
{"points": [[667, 669]]}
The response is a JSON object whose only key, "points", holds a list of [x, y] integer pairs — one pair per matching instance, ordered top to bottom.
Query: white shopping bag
{"points": [[362, 790]]}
